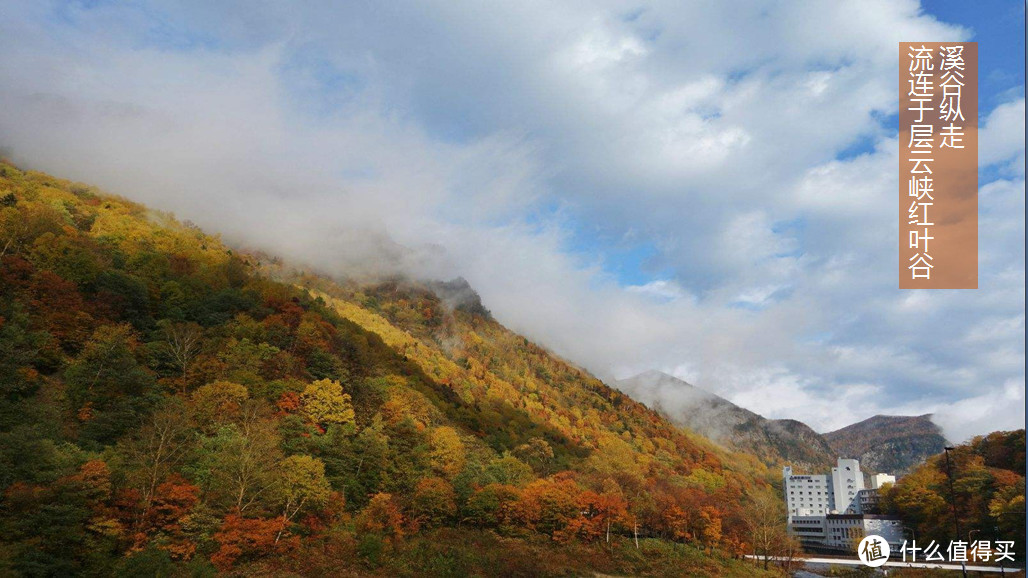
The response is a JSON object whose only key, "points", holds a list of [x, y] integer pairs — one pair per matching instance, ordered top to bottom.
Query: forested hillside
{"points": [[169, 406], [889, 443], [987, 493]]}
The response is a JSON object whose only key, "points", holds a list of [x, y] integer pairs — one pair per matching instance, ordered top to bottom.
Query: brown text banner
{"points": [[938, 165]]}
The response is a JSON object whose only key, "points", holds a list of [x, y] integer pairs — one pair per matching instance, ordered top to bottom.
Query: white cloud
{"points": [[1002, 137], [661, 289], [1001, 408]]}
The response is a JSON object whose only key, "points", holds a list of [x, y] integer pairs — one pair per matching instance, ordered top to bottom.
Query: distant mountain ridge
{"points": [[773, 441], [891, 444]]}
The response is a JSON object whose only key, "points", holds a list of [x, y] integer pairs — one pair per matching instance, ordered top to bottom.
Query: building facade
{"points": [[879, 480], [847, 481], [808, 495], [819, 495], [868, 500], [831, 511], [809, 530], [845, 531]]}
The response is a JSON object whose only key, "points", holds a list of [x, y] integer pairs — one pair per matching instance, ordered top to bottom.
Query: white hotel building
{"points": [[825, 494], [829, 511]]}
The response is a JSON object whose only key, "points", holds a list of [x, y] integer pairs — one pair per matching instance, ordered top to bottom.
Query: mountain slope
{"points": [[169, 405], [773, 441], [889, 443]]}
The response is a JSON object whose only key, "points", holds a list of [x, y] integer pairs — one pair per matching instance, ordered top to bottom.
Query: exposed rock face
{"points": [[459, 294], [773, 441], [889, 443]]}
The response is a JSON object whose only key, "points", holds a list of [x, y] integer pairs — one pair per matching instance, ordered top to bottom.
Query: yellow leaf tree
{"points": [[324, 403], [448, 454], [301, 484]]}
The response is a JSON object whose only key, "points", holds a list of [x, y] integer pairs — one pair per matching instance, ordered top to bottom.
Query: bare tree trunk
{"points": [[183, 342], [159, 447], [287, 517], [282, 529]]}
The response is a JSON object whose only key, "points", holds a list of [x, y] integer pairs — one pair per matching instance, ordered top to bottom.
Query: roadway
{"points": [[896, 564]]}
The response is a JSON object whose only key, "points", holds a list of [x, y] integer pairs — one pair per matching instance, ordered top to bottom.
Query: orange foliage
{"points": [[288, 402], [95, 477], [173, 500], [434, 502], [550, 505], [600, 514], [382, 516], [710, 526], [247, 538]]}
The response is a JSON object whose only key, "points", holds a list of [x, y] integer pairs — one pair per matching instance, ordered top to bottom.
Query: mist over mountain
{"points": [[773, 441], [890, 444]]}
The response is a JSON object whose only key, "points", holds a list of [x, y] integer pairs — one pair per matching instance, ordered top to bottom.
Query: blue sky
{"points": [[999, 28], [703, 189]]}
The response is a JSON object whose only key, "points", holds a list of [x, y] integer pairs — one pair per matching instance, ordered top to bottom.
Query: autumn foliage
{"points": [[166, 400], [986, 498]]}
